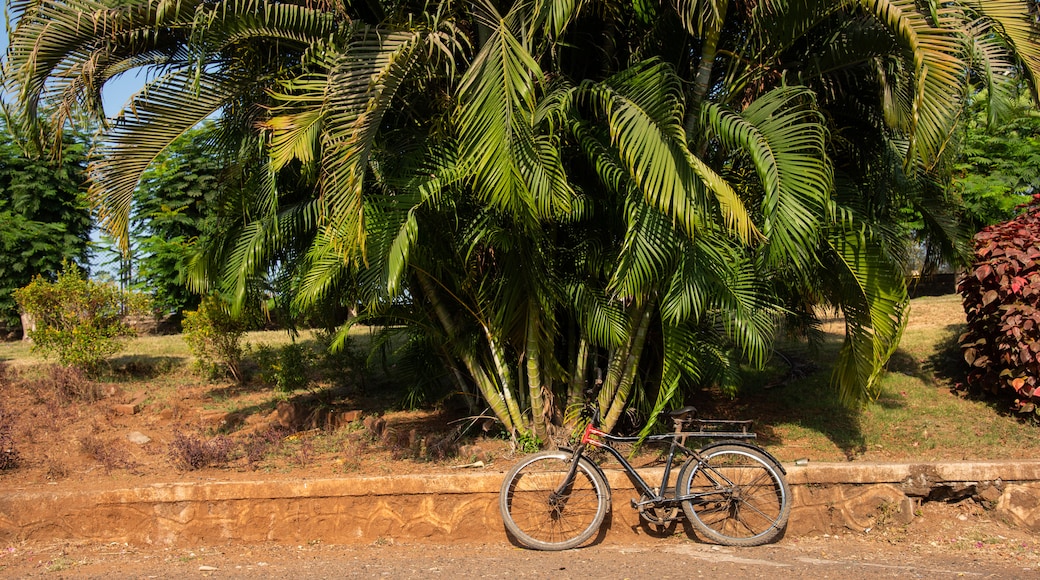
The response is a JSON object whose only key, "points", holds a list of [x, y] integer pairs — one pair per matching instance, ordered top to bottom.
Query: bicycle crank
{"points": [[656, 513]]}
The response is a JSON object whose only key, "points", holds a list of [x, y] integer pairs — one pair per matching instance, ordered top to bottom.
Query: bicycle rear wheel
{"points": [[741, 496], [542, 519]]}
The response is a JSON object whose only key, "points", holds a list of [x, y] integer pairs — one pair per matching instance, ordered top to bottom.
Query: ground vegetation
{"points": [[551, 197]]}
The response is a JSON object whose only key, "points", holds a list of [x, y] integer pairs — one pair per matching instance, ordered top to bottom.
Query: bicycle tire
{"points": [[744, 498], [537, 521]]}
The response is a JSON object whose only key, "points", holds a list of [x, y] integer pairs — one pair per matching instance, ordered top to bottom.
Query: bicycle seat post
{"points": [[679, 430]]}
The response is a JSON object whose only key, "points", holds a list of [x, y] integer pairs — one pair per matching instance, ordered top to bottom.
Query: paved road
{"points": [[846, 558]]}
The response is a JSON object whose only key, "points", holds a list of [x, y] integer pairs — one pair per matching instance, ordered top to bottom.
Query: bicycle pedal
{"points": [[635, 505]]}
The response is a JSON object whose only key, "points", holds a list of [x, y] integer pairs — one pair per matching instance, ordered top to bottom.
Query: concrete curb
{"points": [[902, 473], [463, 507]]}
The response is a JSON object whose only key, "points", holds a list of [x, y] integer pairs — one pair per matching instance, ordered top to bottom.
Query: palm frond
{"points": [[554, 16], [700, 16], [1017, 21], [937, 50], [993, 64], [361, 87], [640, 107], [164, 111], [296, 126], [784, 135], [513, 168], [649, 251], [874, 300]]}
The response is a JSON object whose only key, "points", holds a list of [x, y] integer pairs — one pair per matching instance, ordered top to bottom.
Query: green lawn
{"points": [[918, 416]]}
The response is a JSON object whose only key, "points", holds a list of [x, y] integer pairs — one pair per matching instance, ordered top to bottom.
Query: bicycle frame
{"points": [[602, 440], [732, 492]]}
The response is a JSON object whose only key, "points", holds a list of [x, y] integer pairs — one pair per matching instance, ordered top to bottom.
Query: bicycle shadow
{"points": [[676, 523], [691, 533], [599, 538]]}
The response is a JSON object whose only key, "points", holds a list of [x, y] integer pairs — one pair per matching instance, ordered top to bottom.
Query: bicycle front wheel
{"points": [[740, 496], [543, 513]]}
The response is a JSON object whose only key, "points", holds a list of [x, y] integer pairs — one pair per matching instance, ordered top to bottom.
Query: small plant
{"points": [[1002, 300], [79, 320], [214, 339], [68, 384], [527, 442], [259, 445], [8, 452], [105, 453], [190, 453], [302, 453], [56, 469], [59, 564]]}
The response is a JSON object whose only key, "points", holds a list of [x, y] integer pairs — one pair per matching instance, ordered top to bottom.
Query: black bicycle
{"points": [[733, 492]]}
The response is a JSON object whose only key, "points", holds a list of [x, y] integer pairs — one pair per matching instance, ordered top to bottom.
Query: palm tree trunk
{"points": [[702, 78], [618, 363], [631, 365], [615, 370], [534, 371], [505, 378], [460, 381], [485, 384], [576, 385]]}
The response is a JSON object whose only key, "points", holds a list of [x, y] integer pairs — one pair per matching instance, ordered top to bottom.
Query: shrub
{"points": [[1001, 297], [79, 320], [214, 339], [341, 361], [284, 367], [259, 445], [107, 453], [190, 453]]}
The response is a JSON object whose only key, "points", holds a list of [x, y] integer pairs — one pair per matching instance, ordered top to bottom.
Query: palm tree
{"points": [[548, 188]]}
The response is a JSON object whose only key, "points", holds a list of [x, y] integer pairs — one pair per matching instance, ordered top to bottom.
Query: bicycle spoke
{"points": [[750, 510], [768, 517], [541, 518]]}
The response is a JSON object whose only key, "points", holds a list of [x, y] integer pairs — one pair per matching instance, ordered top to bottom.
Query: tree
{"points": [[999, 164], [561, 192], [174, 210], [44, 217]]}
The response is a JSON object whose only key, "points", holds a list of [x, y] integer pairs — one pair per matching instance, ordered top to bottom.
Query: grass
{"points": [[917, 415]]}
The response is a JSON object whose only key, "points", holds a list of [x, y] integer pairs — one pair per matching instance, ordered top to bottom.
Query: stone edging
{"points": [[464, 507]]}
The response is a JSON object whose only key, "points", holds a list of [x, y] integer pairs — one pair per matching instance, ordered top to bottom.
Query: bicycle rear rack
{"points": [[719, 429]]}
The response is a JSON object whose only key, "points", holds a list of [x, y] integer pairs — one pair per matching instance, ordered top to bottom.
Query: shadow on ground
{"points": [[950, 370], [794, 389]]}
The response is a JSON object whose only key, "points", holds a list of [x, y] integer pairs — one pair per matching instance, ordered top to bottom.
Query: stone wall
{"points": [[463, 507]]}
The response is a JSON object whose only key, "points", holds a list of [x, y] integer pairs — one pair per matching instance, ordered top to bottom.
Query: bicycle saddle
{"points": [[681, 414]]}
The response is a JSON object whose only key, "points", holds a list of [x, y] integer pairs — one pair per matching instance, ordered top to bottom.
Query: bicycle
{"points": [[733, 492]]}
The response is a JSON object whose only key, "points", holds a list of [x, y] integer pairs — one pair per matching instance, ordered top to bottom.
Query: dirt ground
{"points": [[197, 431], [129, 438], [945, 541]]}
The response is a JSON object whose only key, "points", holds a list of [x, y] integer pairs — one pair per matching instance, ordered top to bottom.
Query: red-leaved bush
{"points": [[1002, 300]]}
